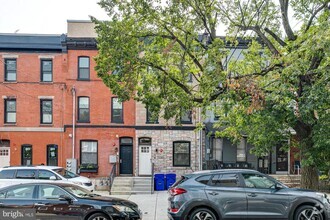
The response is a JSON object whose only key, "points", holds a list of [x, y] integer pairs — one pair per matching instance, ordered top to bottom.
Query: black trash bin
{"points": [[170, 179], [159, 181]]}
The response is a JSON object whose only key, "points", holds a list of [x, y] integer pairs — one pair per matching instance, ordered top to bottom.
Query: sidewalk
{"points": [[153, 206]]}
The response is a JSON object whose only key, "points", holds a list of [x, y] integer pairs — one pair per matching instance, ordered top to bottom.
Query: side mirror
{"points": [[52, 178], [278, 186], [65, 198]]}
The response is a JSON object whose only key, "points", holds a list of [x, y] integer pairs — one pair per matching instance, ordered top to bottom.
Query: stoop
{"points": [[131, 185]]}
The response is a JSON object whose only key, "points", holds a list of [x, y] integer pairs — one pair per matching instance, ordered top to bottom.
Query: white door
{"points": [[4, 156], [144, 160]]}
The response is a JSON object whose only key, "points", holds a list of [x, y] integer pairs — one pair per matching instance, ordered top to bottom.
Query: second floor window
{"points": [[83, 68], [10, 70], [46, 70], [83, 109], [46, 110], [10, 111], [117, 111], [186, 117], [152, 118]]}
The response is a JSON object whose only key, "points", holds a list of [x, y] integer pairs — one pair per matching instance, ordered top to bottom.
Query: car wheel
{"points": [[308, 212], [202, 214], [99, 216]]}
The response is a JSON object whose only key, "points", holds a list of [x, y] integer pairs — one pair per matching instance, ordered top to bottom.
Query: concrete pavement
{"points": [[153, 206]]}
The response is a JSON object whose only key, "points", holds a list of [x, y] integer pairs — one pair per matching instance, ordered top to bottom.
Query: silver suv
{"points": [[242, 194]]}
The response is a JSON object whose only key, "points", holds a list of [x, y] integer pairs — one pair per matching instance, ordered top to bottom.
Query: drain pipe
{"points": [[73, 90], [200, 142]]}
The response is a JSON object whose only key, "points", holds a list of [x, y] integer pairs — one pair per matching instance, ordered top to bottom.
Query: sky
{"points": [[45, 16]]}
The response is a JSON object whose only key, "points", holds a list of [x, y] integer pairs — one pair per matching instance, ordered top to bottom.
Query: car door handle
{"points": [[213, 193], [252, 195], [40, 204]]}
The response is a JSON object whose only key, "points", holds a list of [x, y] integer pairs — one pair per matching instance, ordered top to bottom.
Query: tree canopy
{"points": [[149, 50]]}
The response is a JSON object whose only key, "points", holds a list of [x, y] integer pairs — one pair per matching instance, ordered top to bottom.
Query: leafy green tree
{"points": [[148, 50]]}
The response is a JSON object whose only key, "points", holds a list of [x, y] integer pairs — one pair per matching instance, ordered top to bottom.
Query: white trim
{"points": [[13, 56], [46, 56], [8, 97], [45, 97], [32, 129]]}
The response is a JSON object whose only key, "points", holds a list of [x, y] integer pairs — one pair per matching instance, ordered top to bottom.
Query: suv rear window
{"points": [[7, 174], [204, 179], [179, 181]]}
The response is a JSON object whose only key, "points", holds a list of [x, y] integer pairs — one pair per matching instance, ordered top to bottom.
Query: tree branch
{"points": [[325, 4], [285, 20], [262, 36], [277, 38], [185, 48], [262, 72]]}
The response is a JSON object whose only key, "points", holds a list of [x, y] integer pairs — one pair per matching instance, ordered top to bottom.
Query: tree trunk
{"points": [[309, 178]]}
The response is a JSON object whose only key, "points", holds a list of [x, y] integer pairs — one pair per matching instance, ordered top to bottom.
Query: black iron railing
{"points": [[214, 164], [112, 176], [152, 177]]}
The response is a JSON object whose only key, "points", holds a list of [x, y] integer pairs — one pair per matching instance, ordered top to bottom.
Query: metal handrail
{"points": [[112, 176], [152, 177]]}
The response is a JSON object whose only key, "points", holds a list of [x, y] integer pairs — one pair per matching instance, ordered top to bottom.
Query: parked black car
{"points": [[242, 194], [66, 201]]}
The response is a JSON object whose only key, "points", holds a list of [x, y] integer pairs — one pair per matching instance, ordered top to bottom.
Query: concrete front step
{"points": [[292, 181], [131, 185]]}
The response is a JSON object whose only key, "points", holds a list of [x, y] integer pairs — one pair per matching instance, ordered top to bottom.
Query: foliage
{"points": [[149, 49]]}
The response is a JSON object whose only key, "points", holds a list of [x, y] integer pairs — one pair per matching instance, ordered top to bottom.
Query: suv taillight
{"points": [[177, 191]]}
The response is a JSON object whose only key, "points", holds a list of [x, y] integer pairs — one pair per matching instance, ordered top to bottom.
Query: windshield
{"points": [[66, 174], [79, 191]]}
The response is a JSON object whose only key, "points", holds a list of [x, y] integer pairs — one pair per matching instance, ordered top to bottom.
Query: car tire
{"points": [[308, 212], [202, 214], [99, 216]]}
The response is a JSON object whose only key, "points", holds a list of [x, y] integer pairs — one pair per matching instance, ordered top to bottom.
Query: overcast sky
{"points": [[45, 16]]}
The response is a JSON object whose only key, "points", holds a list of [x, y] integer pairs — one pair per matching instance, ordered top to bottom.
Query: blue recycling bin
{"points": [[170, 179], [159, 181]]}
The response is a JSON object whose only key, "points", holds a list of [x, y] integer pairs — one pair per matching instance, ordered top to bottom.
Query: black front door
{"points": [[52, 155], [126, 159]]}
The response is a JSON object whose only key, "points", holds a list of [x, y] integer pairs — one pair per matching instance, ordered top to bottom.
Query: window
{"points": [[83, 68], [10, 70], [46, 70], [83, 109], [10, 111], [46, 111], [117, 111], [186, 117], [152, 118], [144, 141], [241, 151], [88, 153], [26, 154], [181, 154], [7, 174], [26, 174], [45, 175], [204, 179], [225, 180], [257, 181], [20, 192], [51, 192]]}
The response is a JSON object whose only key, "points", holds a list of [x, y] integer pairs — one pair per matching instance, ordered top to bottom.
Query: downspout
{"points": [[73, 90], [200, 142]]}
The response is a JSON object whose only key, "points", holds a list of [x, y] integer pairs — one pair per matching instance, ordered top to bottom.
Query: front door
{"points": [[52, 155], [4, 156], [126, 156], [144, 160], [281, 160]]}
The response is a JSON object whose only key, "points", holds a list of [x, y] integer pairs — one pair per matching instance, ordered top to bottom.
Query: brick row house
{"points": [[56, 111]]}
